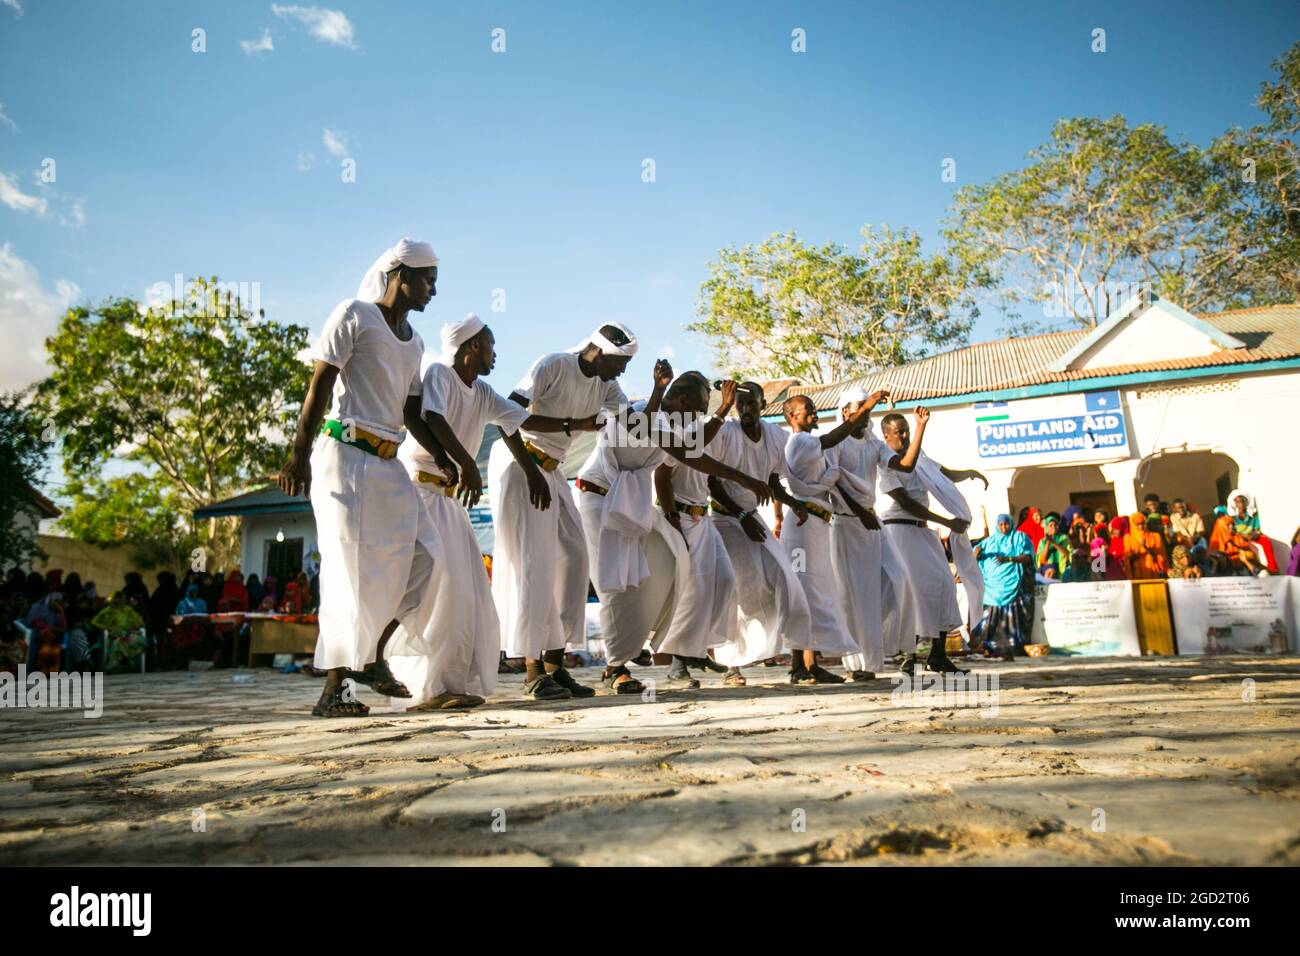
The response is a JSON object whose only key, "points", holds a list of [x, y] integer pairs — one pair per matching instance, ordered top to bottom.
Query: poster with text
{"points": [[1233, 615], [1093, 619]]}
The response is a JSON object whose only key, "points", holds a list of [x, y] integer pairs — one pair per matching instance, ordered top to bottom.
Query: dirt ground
{"points": [[1099, 761]]}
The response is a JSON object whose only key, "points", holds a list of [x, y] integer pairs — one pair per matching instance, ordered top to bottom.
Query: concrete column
{"points": [[1123, 478]]}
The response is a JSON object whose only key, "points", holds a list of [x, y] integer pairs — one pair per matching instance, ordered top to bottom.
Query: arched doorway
{"points": [[1201, 478], [1055, 487]]}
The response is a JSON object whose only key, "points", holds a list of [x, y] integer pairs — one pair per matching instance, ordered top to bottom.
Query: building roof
{"points": [[1269, 333], [268, 499], [44, 505]]}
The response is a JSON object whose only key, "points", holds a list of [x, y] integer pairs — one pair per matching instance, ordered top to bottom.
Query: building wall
{"points": [[1244, 417], [258, 531], [107, 567]]}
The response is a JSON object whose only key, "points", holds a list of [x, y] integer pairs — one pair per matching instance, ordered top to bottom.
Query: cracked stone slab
{"points": [[521, 793]]}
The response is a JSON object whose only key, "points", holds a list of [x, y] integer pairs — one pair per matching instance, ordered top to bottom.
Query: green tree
{"points": [[1261, 166], [1101, 210], [822, 313], [200, 395], [22, 456], [139, 511]]}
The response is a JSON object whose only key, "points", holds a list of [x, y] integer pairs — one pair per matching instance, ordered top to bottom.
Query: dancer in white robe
{"points": [[811, 479], [945, 491], [857, 542], [378, 550], [639, 562], [539, 566], [927, 596], [772, 602], [705, 614], [453, 663]]}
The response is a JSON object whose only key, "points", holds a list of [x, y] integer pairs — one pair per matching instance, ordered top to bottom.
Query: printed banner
{"points": [[1087, 426], [1234, 615], [1094, 619]]}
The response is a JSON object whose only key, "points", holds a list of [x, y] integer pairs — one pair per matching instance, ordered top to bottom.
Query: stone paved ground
{"points": [[1183, 769]]}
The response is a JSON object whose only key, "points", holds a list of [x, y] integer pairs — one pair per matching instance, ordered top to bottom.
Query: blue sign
{"points": [[1090, 425]]}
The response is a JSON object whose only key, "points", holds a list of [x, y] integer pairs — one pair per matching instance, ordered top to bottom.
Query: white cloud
{"points": [[15, 6], [330, 26], [263, 45], [5, 120], [335, 141], [306, 160], [15, 198], [76, 217], [28, 315]]}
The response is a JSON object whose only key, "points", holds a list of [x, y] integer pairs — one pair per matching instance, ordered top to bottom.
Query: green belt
{"points": [[366, 441]]}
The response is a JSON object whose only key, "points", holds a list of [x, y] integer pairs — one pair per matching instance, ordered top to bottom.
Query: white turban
{"points": [[408, 252], [456, 334], [606, 346], [853, 396]]}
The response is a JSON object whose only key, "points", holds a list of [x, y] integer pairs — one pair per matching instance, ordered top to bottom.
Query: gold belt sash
{"points": [[546, 461], [444, 484]]}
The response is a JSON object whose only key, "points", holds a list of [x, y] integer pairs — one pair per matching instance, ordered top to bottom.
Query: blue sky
{"points": [[524, 168]]}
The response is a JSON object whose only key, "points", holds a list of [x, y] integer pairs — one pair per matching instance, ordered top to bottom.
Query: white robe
{"points": [[808, 545], [378, 549], [858, 553], [963, 554], [640, 562], [539, 565], [926, 594], [772, 604], [705, 614], [458, 651]]}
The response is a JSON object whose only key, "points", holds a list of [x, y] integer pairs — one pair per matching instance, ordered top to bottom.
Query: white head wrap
{"points": [[408, 252], [456, 334], [606, 346], [853, 396], [1250, 502]]}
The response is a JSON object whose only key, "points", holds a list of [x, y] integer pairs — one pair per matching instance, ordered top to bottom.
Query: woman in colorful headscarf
{"points": [[1245, 522], [1031, 525], [1075, 526], [1112, 538], [1054, 547], [1146, 547], [1231, 552], [1006, 556], [1181, 564], [1293, 566], [234, 593], [125, 633]]}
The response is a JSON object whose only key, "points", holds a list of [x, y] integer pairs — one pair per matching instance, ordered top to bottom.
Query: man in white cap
{"points": [[808, 543], [377, 547], [640, 564], [539, 567], [864, 572], [928, 597], [772, 602], [454, 661]]}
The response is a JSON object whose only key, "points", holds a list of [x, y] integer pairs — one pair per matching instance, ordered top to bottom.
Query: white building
{"points": [[1153, 400]]}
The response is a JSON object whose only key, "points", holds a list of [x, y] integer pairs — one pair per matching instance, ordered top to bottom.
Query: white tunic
{"points": [[556, 387], [809, 545], [377, 546], [857, 553], [963, 555], [639, 562], [540, 567], [926, 594], [773, 607], [705, 612], [459, 648]]}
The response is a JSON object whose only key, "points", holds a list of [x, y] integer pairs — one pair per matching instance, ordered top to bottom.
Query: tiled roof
{"points": [[1270, 332]]}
